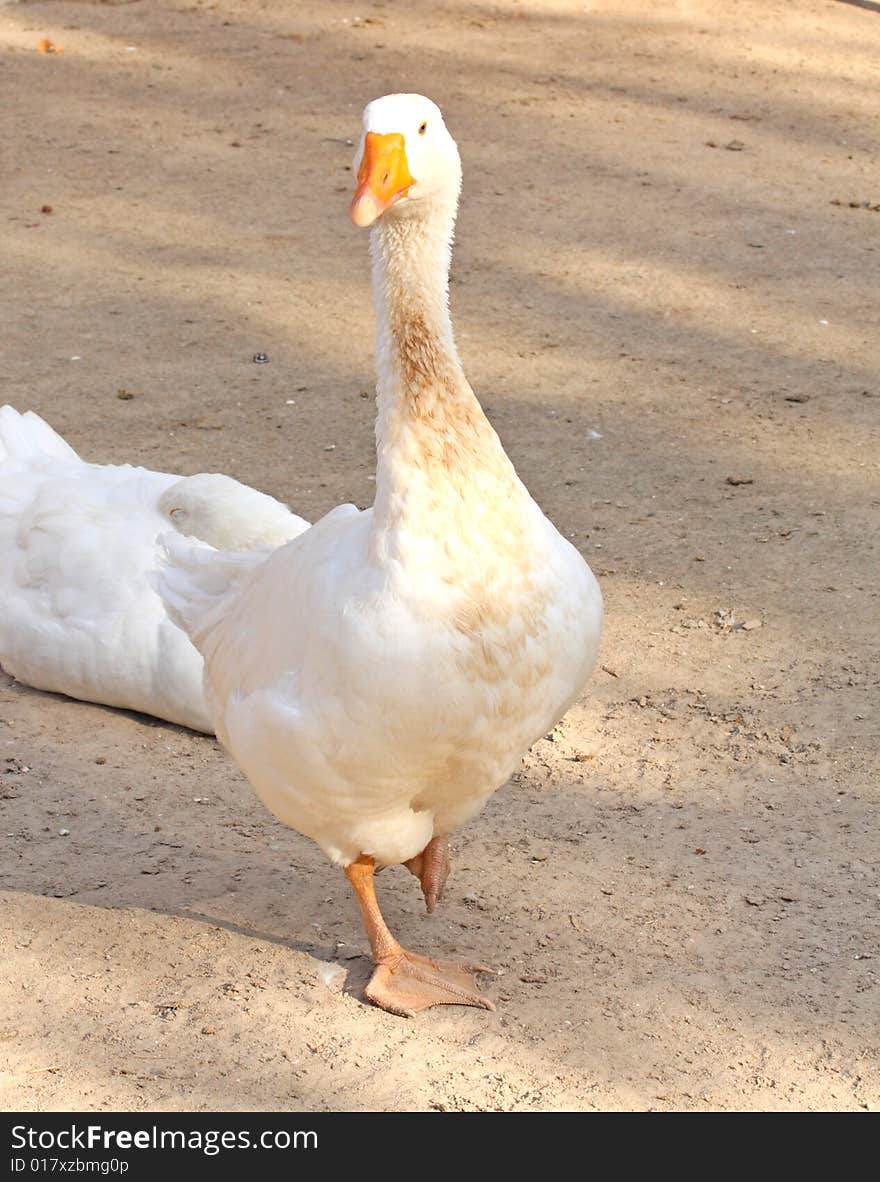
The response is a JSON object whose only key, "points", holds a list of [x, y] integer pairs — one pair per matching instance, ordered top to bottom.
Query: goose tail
{"points": [[26, 437], [194, 581]]}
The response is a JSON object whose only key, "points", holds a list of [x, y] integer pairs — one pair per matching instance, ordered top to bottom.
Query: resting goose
{"points": [[78, 615], [380, 676]]}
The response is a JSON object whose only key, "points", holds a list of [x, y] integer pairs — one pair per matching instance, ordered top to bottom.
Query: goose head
{"points": [[407, 163], [227, 515]]}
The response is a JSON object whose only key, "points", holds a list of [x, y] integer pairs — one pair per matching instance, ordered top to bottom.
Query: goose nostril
{"points": [[385, 179]]}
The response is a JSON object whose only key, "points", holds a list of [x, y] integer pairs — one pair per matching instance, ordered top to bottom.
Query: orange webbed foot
{"points": [[431, 868], [402, 982], [405, 983]]}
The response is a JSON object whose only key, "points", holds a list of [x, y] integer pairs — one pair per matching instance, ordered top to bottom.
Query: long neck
{"points": [[415, 345], [431, 433]]}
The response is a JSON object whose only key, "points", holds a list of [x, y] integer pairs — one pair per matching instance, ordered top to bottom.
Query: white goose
{"points": [[78, 615], [379, 677]]}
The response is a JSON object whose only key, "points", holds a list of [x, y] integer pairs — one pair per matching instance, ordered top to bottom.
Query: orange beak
{"points": [[383, 177]]}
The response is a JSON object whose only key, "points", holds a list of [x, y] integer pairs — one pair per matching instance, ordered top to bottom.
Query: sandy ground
{"points": [[668, 305]]}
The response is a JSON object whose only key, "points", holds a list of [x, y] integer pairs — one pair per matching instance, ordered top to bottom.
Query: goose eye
{"points": [[423, 128]]}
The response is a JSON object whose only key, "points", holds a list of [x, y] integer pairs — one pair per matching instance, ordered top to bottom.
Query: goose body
{"points": [[78, 615], [380, 676], [371, 705]]}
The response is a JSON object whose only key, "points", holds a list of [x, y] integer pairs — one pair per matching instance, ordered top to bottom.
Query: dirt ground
{"points": [[665, 290]]}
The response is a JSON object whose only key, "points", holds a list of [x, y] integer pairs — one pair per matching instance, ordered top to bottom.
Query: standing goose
{"points": [[78, 615], [380, 676]]}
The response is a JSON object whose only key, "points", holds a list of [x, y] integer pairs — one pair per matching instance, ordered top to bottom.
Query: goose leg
{"points": [[431, 868], [402, 982]]}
